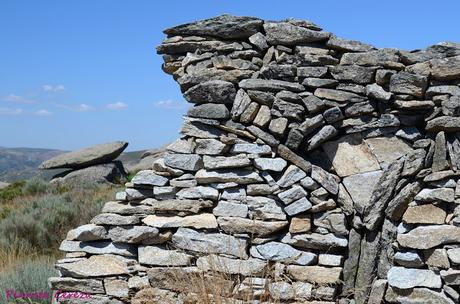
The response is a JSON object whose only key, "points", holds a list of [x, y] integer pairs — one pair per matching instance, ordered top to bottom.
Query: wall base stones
{"points": [[311, 169]]}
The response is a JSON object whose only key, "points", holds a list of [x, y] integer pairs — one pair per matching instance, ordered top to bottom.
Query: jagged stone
{"points": [[224, 26]]}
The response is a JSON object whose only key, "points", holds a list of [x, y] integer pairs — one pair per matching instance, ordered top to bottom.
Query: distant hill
{"points": [[22, 163]]}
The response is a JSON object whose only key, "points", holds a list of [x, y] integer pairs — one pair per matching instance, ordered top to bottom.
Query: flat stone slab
{"points": [[388, 149], [95, 155], [350, 155], [426, 237], [405, 278]]}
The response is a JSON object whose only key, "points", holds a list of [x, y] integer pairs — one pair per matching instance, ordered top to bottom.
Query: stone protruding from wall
{"points": [[310, 169]]}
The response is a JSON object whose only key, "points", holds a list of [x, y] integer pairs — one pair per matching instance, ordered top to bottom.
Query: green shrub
{"points": [[35, 186], [12, 191], [30, 276]]}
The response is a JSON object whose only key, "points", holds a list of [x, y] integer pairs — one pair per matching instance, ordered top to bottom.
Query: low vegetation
{"points": [[34, 217]]}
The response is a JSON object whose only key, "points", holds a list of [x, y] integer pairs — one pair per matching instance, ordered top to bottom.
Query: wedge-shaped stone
{"points": [[348, 45], [210, 110], [388, 149], [240, 176], [179, 205], [124, 208], [199, 221], [237, 225], [426, 237], [217, 243], [98, 247], [279, 252], [156, 256], [96, 266], [249, 267], [315, 274], [405, 278]]}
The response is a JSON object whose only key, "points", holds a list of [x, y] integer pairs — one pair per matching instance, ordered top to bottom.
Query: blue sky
{"points": [[78, 73]]}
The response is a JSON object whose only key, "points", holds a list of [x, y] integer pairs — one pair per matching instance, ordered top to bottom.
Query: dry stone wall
{"points": [[310, 169]]}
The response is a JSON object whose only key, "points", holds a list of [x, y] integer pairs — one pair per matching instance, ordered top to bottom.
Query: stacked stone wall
{"points": [[310, 169]]}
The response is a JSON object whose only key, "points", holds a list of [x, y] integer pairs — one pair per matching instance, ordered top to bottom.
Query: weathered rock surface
{"points": [[95, 155]]}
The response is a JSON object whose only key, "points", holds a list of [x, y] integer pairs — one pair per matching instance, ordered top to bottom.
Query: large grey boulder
{"points": [[95, 155], [112, 172]]}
